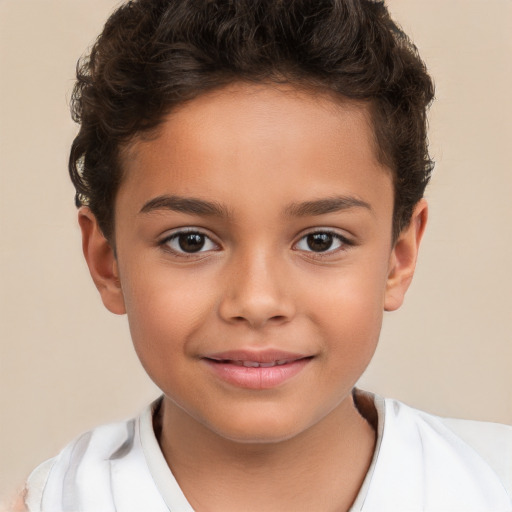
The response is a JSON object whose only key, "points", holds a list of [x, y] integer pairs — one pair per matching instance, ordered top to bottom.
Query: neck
{"points": [[321, 468]]}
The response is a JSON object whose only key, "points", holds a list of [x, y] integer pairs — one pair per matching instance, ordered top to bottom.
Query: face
{"points": [[254, 257]]}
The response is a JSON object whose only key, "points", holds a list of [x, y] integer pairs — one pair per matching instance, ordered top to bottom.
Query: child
{"points": [[249, 179]]}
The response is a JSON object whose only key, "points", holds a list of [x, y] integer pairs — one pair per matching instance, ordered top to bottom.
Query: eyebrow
{"points": [[190, 205], [195, 206], [324, 206]]}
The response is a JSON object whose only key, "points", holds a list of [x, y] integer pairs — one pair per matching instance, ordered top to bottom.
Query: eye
{"points": [[322, 241], [189, 242]]}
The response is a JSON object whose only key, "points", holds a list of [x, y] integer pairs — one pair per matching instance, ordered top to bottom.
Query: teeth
{"points": [[250, 364], [256, 364]]}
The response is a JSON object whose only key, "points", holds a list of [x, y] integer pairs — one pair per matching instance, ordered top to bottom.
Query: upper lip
{"points": [[257, 356]]}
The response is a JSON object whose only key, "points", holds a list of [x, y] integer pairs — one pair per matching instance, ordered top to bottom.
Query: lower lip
{"points": [[256, 378]]}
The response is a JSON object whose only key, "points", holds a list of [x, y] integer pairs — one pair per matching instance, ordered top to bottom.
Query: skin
{"points": [[263, 155], [18, 505]]}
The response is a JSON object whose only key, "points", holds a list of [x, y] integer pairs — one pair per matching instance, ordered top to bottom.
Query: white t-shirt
{"points": [[421, 463]]}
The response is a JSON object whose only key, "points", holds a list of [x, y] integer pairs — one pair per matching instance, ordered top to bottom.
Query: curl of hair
{"points": [[156, 54]]}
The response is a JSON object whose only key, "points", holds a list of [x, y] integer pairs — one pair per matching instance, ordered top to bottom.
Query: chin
{"points": [[263, 429]]}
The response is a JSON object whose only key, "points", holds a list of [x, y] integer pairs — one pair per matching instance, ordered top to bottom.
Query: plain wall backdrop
{"points": [[66, 364]]}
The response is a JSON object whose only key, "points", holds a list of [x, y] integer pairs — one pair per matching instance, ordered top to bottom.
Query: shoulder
{"points": [[492, 442], [474, 452], [87, 460], [425, 462], [113, 467]]}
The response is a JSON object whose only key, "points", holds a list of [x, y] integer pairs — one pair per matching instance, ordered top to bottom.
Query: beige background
{"points": [[67, 364]]}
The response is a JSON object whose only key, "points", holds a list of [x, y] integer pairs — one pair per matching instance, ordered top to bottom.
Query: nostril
{"points": [[278, 318]]}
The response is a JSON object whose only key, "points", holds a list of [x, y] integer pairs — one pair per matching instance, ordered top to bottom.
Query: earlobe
{"points": [[403, 258], [101, 261]]}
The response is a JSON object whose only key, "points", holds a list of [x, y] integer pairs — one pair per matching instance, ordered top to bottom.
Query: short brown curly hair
{"points": [[156, 54]]}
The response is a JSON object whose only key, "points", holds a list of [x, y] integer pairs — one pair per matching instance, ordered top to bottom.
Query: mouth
{"points": [[254, 364], [256, 370]]}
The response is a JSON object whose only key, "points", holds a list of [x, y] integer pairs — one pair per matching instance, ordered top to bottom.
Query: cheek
{"points": [[165, 310], [350, 310]]}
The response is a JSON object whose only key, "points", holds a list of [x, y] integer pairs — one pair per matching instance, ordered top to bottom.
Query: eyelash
{"points": [[165, 243], [344, 243]]}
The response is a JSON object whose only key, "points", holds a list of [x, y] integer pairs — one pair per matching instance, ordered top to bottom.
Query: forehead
{"points": [[261, 110], [250, 139]]}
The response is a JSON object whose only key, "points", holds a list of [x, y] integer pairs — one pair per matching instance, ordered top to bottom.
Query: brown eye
{"points": [[322, 241], [190, 242], [319, 242]]}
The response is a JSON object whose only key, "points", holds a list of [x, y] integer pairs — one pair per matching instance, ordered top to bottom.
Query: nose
{"points": [[256, 292]]}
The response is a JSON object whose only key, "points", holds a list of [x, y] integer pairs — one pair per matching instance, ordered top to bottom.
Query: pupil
{"points": [[191, 242], [319, 242]]}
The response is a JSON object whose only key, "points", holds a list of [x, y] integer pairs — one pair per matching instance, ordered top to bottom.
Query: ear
{"points": [[403, 257], [101, 261]]}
